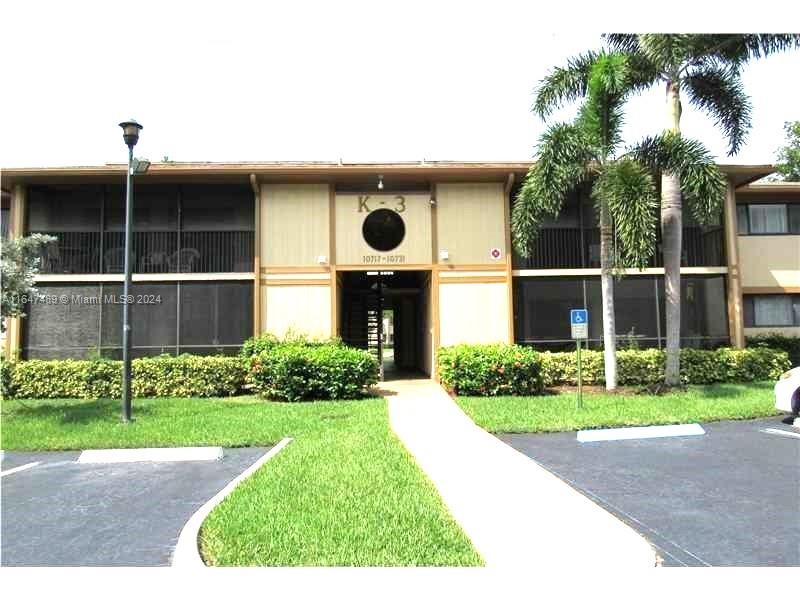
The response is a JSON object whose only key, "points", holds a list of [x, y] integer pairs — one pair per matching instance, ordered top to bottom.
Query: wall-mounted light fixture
{"points": [[380, 182], [444, 255], [322, 259]]}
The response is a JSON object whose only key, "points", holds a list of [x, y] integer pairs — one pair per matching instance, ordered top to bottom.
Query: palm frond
{"points": [[622, 42], [737, 49], [667, 50], [642, 72], [609, 74], [563, 84], [719, 92], [601, 117], [564, 154], [702, 183], [627, 188], [527, 215]]}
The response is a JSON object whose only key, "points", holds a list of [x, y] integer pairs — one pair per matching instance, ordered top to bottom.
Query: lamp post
{"points": [[130, 134]]}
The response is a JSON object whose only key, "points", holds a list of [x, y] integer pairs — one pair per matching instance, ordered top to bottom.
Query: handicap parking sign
{"points": [[578, 316], [579, 322]]}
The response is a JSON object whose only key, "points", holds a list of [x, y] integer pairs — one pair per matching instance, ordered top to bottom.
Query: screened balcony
{"points": [[177, 229], [572, 241], [575, 248], [542, 305], [197, 317]]}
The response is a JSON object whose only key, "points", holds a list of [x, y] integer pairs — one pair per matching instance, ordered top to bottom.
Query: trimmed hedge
{"points": [[267, 341], [777, 341], [646, 367], [292, 369], [485, 369], [490, 370], [295, 372], [163, 376]]}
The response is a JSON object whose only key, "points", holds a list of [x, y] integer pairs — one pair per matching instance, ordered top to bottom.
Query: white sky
{"points": [[368, 81]]}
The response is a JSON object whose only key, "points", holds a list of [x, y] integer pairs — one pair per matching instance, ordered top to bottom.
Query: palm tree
{"points": [[706, 68], [571, 154]]}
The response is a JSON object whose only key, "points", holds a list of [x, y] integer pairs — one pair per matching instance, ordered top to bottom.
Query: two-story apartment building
{"points": [[225, 251]]}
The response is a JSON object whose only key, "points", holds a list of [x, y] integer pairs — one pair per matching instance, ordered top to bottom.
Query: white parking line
{"points": [[782, 432], [639, 433], [150, 455], [20, 468]]}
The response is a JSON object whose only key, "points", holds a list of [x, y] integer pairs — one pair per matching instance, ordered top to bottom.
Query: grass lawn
{"points": [[551, 413], [344, 492]]}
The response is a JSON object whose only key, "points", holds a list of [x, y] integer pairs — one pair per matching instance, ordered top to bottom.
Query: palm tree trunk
{"points": [[671, 234], [607, 285]]}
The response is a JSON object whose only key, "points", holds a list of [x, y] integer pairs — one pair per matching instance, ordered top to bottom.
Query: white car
{"points": [[787, 392]]}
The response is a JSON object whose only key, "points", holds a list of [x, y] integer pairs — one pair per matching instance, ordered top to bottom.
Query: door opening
{"points": [[388, 313]]}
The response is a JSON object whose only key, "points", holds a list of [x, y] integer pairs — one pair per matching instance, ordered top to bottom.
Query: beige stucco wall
{"points": [[352, 209], [470, 220], [295, 229], [770, 260], [301, 308], [473, 313]]}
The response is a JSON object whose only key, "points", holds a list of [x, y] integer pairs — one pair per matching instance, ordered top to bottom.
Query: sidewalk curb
{"points": [[187, 552]]}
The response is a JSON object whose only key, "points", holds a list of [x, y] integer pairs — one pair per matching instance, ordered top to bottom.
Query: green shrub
{"points": [[267, 341], [777, 341], [259, 344], [646, 367], [490, 370], [293, 371], [485, 371], [5, 376], [163, 376], [188, 376]]}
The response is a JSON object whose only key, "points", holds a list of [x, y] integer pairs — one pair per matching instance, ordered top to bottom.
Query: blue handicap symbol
{"points": [[578, 316]]}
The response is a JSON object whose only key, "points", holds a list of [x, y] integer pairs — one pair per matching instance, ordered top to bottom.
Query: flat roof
{"points": [[310, 171], [771, 187]]}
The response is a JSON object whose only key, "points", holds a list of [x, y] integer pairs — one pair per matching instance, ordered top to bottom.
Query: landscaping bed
{"points": [[558, 411]]}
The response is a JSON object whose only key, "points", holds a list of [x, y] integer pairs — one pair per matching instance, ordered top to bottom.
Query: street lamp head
{"points": [[130, 132]]}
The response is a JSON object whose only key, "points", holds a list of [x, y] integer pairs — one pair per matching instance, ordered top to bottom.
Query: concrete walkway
{"points": [[515, 512]]}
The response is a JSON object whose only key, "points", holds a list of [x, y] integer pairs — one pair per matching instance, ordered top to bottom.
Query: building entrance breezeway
{"points": [[388, 313]]}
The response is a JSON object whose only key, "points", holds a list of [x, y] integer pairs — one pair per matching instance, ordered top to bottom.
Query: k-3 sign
{"points": [[397, 203], [579, 322]]}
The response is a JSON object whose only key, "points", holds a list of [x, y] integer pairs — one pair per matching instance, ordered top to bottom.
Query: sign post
{"points": [[579, 323]]}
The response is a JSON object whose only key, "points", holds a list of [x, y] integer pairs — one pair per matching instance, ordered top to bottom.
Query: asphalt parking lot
{"points": [[730, 497], [63, 513]]}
